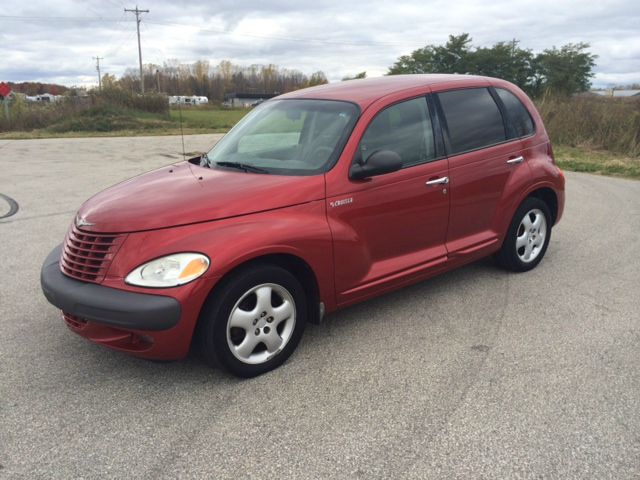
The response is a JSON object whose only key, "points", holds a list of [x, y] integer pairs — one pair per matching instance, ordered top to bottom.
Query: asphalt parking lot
{"points": [[477, 373]]}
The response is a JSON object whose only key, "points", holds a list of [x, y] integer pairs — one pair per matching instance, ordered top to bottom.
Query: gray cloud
{"points": [[337, 37]]}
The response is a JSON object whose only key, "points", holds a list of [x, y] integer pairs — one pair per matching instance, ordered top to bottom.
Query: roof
{"points": [[366, 91]]}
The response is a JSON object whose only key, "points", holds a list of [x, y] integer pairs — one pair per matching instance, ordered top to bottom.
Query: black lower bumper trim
{"points": [[105, 305]]}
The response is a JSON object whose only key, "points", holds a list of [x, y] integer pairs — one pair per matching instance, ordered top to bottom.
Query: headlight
{"points": [[169, 271]]}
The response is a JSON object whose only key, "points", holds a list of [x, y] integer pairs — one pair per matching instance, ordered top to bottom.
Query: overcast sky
{"points": [[55, 40]]}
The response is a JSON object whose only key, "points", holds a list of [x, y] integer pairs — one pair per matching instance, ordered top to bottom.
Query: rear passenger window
{"points": [[519, 117], [473, 119], [404, 128]]}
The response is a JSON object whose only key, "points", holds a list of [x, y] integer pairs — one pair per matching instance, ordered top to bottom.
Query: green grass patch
{"points": [[207, 119], [583, 159]]}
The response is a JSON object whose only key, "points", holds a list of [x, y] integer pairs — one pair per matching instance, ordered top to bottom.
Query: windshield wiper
{"points": [[242, 166]]}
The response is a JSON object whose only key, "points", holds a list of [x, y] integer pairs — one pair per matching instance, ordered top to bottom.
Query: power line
{"points": [[115, 4], [137, 13], [58, 18], [121, 33], [279, 37], [307, 40], [115, 48]]}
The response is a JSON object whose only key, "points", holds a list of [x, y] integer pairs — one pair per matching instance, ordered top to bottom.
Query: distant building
{"points": [[612, 92], [245, 99]]}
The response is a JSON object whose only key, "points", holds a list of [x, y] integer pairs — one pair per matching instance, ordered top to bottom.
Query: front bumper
{"points": [[104, 305]]}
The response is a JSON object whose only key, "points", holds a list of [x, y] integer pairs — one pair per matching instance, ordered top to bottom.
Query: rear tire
{"points": [[528, 236], [253, 321]]}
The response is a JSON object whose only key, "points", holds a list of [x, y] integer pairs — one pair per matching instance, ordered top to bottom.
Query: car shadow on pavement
{"points": [[406, 307]]}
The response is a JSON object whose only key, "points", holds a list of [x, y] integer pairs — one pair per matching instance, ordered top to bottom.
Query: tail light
{"points": [[550, 153]]}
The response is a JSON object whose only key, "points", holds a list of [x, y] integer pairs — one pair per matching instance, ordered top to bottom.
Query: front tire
{"points": [[528, 236], [253, 322]]}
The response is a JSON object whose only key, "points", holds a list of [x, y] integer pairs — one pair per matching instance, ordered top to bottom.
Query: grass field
{"points": [[207, 120], [128, 123], [580, 158], [583, 159]]}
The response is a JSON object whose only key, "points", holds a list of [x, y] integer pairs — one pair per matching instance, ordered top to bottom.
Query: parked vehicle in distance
{"points": [[188, 100], [316, 200]]}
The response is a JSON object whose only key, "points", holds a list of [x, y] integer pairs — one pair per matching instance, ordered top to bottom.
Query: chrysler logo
{"points": [[81, 222]]}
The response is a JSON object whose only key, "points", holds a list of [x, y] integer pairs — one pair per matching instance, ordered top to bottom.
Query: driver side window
{"points": [[404, 128]]}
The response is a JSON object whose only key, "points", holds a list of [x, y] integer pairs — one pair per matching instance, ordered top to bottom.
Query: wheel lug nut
{"points": [[263, 314], [270, 319], [255, 320], [257, 332]]}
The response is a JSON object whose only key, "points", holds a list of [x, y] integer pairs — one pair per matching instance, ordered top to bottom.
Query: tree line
{"points": [[562, 71], [201, 78], [38, 88]]}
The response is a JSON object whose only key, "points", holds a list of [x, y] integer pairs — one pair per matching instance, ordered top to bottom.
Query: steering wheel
{"points": [[319, 152]]}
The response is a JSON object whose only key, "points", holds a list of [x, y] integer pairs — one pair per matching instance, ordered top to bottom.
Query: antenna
{"points": [[184, 155]]}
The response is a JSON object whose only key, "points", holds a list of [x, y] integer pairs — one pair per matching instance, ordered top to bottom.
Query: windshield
{"points": [[287, 137]]}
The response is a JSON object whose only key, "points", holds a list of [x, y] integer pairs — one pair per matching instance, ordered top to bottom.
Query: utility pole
{"points": [[138, 12], [97, 59]]}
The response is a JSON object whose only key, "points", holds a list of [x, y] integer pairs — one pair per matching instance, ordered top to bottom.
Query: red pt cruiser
{"points": [[316, 200]]}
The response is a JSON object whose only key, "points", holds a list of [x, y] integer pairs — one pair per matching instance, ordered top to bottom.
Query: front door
{"points": [[390, 229]]}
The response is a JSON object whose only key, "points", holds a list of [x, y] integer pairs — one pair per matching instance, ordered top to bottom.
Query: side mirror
{"points": [[379, 163]]}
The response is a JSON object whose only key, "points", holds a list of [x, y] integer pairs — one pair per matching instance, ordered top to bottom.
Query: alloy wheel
{"points": [[531, 235], [261, 323]]}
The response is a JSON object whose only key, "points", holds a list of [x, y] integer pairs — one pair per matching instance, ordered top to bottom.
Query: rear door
{"points": [[482, 159]]}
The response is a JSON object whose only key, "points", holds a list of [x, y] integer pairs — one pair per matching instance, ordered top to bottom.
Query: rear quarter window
{"points": [[519, 116], [473, 119]]}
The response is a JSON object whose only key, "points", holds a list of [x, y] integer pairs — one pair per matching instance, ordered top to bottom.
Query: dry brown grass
{"points": [[594, 123]]}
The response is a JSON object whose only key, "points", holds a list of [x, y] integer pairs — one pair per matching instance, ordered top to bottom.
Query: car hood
{"points": [[183, 193]]}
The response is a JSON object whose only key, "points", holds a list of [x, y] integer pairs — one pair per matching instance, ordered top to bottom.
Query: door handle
{"points": [[519, 159], [438, 181]]}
